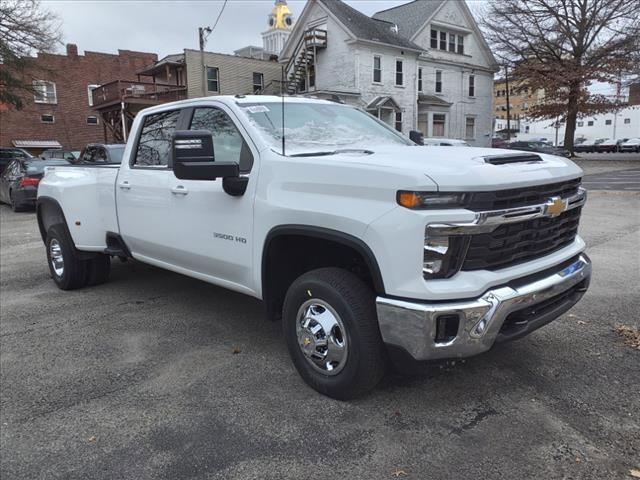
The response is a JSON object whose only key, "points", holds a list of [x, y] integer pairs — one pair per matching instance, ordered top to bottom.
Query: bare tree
{"points": [[25, 28], [562, 47]]}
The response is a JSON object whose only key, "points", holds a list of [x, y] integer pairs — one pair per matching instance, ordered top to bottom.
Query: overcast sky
{"points": [[165, 27]]}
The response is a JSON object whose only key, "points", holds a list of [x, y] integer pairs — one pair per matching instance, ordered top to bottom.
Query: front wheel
{"points": [[67, 270], [332, 334]]}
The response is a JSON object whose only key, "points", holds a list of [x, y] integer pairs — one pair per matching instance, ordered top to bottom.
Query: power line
{"points": [[217, 19]]}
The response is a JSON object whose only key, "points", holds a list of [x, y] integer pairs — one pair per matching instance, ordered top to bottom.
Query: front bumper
{"points": [[503, 313]]}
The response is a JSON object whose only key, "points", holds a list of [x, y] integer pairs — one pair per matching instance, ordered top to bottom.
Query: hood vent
{"points": [[515, 158]]}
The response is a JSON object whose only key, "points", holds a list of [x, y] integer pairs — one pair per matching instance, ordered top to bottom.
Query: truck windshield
{"points": [[319, 127]]}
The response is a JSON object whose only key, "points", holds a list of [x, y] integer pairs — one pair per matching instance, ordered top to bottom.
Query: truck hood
{"points": [[465, 169]]}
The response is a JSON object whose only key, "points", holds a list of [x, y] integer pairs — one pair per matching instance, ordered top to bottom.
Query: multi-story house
{"points": [[421, 66], [513, 99], [58, 112]]}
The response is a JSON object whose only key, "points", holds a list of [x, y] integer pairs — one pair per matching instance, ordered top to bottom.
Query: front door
{"points": [[213, 229]]}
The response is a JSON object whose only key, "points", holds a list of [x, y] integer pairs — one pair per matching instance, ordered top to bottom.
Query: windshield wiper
{"points": [[334, 152]]}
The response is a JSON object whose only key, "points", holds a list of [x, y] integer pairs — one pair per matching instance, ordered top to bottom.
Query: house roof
{"points": [[410, 17], [367, 28], [174, 59], [424, 99], [383, 102], [36, 143]]}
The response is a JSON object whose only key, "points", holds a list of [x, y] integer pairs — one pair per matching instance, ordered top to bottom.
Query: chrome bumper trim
{"points": [[490, 220], [412, 325]]}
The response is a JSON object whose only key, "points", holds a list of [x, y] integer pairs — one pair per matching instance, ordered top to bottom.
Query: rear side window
{"points": [[154, 144], [228, 144]]}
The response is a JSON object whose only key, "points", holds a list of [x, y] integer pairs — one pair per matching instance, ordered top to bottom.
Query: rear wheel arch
{"points": [[49, 213], [292, 250]]}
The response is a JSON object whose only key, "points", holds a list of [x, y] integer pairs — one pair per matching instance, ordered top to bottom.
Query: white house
{"points": [[421, 66], [624, 123]]}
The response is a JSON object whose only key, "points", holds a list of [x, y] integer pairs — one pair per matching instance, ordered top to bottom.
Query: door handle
{"points": [[124, 185], [179, 190]]}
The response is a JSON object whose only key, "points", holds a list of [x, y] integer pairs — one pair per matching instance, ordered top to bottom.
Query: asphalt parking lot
{"points": [[156, 375]]}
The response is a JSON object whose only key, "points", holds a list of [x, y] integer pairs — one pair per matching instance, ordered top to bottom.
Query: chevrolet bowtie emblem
{"points": [[555, 206], [306, 341]]}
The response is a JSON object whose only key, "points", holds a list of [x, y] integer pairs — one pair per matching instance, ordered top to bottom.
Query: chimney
{"points": [[72, 50]]}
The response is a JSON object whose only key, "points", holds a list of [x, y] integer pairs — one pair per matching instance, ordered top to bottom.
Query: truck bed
{"points": [[87, 197]]}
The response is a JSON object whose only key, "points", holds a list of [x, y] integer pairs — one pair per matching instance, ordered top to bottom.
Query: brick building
{"points": [[61, 113]]}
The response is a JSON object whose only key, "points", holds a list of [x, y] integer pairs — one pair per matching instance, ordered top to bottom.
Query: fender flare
{"points": [[326, 234]]}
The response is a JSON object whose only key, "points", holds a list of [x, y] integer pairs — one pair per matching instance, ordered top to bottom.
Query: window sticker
{"points": [[257, 109]]}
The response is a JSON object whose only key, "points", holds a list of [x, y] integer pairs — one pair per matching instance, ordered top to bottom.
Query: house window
{"points": [[434, 38], [443, 40], [452, 42], [460, 44], [377, 69], [213, 76], [399, 76], [419, 79], [438, 81], [258, 82], [472, 85], [90, 89], [44, 92], [497, 93], [47, 118], [92, 120], [439, 120], [398, 121], [627, 121], [607, 122], [590, 123], [581, 124], [470, 127], [526, 129]]}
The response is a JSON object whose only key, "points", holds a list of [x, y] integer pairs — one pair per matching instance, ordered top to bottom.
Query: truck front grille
{"points": [[520, 197], [520, 242]]}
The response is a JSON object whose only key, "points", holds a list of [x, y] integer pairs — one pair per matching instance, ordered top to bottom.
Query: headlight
{"points": [[425, 200], [443, 256]]}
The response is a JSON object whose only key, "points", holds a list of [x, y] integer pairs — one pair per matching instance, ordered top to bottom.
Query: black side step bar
{"points": [[116, 246]]}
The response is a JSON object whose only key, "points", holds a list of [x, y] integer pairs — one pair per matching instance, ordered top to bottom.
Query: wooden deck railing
{"points": [[120, 90]]}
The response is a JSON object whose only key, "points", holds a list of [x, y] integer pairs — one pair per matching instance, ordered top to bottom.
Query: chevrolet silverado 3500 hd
{"points": [[369, 248]]}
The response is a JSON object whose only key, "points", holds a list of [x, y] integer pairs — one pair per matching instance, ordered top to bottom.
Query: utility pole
{"points": [[201, 40], [506, 81]]}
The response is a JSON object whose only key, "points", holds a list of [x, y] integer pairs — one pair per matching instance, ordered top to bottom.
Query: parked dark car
{"points": [[497, 142], [539, 147], [58, 153], [7, 154], [101, 154], [19, 181]]}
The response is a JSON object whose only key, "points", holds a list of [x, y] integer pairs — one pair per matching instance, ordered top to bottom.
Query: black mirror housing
{"points": [[194, 158]]}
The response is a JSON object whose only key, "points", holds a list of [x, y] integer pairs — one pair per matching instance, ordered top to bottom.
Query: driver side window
{"points": [[228, 144]]}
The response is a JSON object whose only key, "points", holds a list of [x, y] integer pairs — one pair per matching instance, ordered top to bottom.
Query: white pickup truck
{"points": [[371, 249]]}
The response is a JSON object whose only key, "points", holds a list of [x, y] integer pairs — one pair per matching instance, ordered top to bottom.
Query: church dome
{"points": [[280, 17]]}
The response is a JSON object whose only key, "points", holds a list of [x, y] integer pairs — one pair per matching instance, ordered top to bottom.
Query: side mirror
{"points": [[194, 159]]}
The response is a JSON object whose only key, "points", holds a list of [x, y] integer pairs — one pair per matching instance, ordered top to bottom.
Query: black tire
{"points": [[14, 206], [98, 269], [74, 272], [354, 302]]}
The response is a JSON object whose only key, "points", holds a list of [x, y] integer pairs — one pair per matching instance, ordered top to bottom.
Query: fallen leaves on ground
{"points": [[581, 322], [630, 335], [236, 350], [92, 439], [399, 473], [635, 473]]}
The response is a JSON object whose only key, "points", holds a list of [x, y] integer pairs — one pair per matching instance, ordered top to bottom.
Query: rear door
{"points": [[143, 195]]}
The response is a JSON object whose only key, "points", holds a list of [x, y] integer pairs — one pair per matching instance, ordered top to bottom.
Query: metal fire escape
{"points": [[301, 68]]}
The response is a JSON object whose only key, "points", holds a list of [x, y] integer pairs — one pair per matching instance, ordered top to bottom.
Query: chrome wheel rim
{"points": [[57, 260], [322, 337]]}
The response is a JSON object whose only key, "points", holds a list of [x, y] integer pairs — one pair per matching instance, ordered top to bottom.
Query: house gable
{"points": [[455, 17]]}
